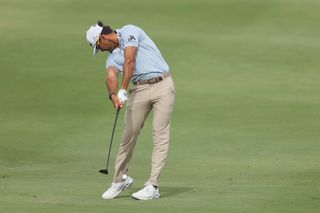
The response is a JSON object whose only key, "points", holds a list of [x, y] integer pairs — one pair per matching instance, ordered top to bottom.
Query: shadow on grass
{"points": [[167, 191]]}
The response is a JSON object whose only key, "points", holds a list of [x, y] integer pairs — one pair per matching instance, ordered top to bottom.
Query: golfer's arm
{"points": [[129, 64], [112, 80]]}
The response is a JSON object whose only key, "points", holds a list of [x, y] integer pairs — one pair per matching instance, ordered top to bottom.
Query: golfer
{"points": [[141, 62]]}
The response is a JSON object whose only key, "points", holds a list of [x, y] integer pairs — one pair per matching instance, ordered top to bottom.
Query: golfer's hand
{"points": [[122, 95], [116, 102]]}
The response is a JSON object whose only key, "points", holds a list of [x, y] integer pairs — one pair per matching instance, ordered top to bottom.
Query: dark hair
{"points": [[105, 29]]}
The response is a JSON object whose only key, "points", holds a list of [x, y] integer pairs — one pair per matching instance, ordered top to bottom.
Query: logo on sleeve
{"points": [[131, 38]]}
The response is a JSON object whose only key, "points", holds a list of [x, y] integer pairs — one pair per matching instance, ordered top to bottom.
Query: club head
{"points": [[104, 171]]}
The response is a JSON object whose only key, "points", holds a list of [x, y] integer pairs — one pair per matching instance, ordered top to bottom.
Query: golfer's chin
{"points": [[109, 49], [103, 50]]}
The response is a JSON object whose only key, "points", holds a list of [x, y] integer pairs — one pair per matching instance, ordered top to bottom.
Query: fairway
{"points": [[245, 129]]}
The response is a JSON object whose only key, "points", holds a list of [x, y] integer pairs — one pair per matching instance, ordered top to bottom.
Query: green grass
{"points": [[245, 130]]}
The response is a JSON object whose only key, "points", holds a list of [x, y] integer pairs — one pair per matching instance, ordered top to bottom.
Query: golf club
{"points": [[105, 171]]}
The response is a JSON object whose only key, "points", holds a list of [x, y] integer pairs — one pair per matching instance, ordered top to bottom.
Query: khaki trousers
{"points": [[159, 98]]}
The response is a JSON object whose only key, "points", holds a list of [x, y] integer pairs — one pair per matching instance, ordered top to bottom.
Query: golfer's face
{"points": [[105, 44]]}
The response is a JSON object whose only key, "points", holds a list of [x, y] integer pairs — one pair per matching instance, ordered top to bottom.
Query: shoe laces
{"points": [[114, 185]]}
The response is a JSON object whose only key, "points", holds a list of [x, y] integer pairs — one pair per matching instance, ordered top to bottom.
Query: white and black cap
{"points": [[93, 36]]}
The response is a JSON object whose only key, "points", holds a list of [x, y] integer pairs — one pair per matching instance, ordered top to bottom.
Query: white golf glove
{"points": [[122, 95]]}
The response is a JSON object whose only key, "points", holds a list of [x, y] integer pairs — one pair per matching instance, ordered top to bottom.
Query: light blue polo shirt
{"points": [[116, 59], [149, 61]]}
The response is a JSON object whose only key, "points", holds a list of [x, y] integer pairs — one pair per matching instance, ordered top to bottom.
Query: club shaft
{"points": [[110, 145]]}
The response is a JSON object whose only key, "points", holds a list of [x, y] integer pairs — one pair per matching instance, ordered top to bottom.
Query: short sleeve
{"points": [[130, 36], [116, 60]]}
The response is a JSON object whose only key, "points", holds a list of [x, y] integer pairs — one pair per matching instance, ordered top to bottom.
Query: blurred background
{"points": [[245, 130]]}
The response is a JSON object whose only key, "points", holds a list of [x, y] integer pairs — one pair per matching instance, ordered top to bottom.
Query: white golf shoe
{"points": [[116, 188], [149, 192]]}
